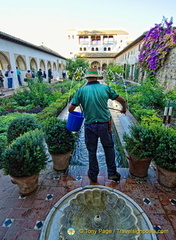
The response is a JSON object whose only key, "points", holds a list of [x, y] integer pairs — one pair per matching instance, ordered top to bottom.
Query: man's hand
{"points": [[122, 101], [71, 108], [123, 111]]}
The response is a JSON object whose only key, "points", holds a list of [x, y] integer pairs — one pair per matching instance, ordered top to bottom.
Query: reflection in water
{"points": [[80, 154]]}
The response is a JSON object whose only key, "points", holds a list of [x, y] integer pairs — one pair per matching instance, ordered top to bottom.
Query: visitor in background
{"points": [[33, 73], [28, 74], [44, 74], [64, 74], [9, 75], [40, 75], [49, 75], [19, 76], [1, 83], [93, 98]]}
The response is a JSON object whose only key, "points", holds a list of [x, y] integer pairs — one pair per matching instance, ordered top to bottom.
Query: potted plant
{"points": [[60, 142], [138, 144], [165, 156], [23, 160]]}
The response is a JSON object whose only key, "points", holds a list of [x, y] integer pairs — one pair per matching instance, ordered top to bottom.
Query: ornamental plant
{"points": [[157, 43], [58, 138], [26, 155]]}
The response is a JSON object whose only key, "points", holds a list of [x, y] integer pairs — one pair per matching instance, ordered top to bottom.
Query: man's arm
{"points": [[122, 101], [71, 108]]}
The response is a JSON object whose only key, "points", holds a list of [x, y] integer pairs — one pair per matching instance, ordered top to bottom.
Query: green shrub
{"points": [[152, 97], [23, 98], [140, 112], [151, 120], [20, 125], [58, 138], [139, 142], [165, 147], [26, 156]]}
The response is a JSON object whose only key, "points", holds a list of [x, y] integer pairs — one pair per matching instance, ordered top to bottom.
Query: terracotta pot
{"points": [[61, 161], [139, 168], [165, 177], [26, 185]]}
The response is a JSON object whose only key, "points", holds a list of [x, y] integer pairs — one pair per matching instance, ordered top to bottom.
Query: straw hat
{"points": [[92, 72]]}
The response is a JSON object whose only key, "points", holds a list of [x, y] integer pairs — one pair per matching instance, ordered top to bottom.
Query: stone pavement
{"points": [[22, 217]]}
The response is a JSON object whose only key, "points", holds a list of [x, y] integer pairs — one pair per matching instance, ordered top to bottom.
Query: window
{"points": [[108, 39], [84, 40], [95, 40], [104, 48], [80, 49], [84, 49], [92, 49], [96, 49], [109, 49]]}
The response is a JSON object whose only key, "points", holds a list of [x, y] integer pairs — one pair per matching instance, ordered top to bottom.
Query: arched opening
{"points": [[4, 62], [20, 63], [33, 64], [95, 64], [42, 65], [49, 65], [104, 66], [54, 67]]}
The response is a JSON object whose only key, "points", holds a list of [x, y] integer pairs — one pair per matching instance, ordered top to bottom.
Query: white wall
{"points": [[11, 50]]}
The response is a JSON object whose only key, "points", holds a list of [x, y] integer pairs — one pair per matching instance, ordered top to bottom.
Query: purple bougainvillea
{"points": [[157, 43]]}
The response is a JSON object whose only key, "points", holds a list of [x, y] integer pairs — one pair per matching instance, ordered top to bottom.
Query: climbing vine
{"points": [[157, 43]]}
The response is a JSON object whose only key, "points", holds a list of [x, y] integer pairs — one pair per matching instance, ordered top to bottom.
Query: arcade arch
{"points": [[4, 62], [20, 63], [33, 64], [95, 64], [42, 65], [49, 65], [104, 66], [54, 67]]}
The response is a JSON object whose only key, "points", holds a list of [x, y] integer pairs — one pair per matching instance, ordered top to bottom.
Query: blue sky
{"points": [[40, 21]]}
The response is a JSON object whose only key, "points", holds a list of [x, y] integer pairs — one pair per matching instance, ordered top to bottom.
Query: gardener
{"points": [[93, 98]]}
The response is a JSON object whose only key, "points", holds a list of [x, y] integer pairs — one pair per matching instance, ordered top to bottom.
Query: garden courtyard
{"points": [[22, 217]]}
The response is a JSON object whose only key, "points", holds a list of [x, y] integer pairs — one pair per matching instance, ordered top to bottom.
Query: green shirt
{"points": [[93, 98]]}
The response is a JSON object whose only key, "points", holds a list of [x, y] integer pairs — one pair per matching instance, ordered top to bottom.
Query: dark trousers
{"points": [[19, 80], [10, 82], [92, 133]]}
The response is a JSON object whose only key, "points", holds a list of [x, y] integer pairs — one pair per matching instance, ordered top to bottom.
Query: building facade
{"points": [[99, 47], [26, 56], [128, 57]]}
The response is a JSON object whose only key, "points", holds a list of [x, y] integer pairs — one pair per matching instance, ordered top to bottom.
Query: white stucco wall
{"points": [[12, 50]]}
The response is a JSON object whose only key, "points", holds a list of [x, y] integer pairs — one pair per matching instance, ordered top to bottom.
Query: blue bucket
{"points": [[75, 120]]}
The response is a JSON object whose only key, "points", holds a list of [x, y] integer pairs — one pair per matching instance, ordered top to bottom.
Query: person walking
{"points": [[9, 75], [19, 76], [93, 98]]}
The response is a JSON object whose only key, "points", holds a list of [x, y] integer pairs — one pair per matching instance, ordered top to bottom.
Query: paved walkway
{"points": [[22, 217]]}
